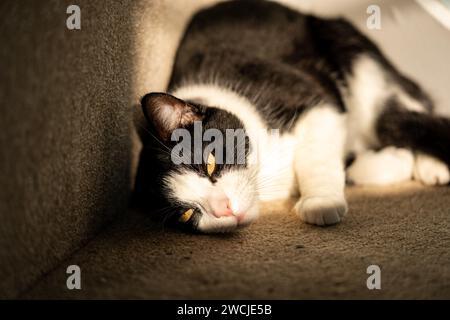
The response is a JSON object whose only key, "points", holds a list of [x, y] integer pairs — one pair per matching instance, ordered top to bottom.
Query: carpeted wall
{"points": [[64, 141]]}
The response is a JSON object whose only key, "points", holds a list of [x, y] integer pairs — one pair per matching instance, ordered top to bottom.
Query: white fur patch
{"points": [[369, 91], [225, 99], [321, 135], [319, 155], [388, 166], [431, 171], [276, 178], [188, 187]]}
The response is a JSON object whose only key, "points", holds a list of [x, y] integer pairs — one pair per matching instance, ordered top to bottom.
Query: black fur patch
{"points": [[418, 131]]}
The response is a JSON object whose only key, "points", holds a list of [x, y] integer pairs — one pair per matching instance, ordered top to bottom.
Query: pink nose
{"points": [[221, 207]]}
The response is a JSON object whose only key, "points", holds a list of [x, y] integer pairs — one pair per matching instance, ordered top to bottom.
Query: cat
{"points": [[328, 90]]}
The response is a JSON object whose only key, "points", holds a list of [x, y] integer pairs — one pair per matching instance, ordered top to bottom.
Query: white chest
{"points": [[276, 179]]}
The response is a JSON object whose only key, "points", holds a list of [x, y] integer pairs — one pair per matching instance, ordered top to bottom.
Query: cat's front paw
{"points": [[321, 210]]}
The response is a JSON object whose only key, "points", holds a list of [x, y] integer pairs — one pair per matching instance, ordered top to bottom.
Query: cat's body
{"points": [[327, 89]]}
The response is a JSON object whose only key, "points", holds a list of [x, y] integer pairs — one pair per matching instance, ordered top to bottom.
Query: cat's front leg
{"points": [[319, 165]]}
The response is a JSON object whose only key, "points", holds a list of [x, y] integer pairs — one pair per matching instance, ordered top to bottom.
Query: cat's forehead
{"points": [[218, 118], [224, 129]]}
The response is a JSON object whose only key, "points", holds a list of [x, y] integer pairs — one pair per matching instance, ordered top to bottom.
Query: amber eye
{"points": [[211, 164], [186, 216]]}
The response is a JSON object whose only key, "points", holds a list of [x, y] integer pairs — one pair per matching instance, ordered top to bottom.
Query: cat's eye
{"points": [[210, 164], [186, 216]]}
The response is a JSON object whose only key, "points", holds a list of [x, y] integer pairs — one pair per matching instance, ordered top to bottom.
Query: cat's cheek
{"points": [[249, 217]]}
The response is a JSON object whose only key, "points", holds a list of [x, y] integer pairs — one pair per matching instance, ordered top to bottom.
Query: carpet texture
{"points": [[405, 230]]}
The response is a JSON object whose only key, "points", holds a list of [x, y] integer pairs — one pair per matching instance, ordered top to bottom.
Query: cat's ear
{"points": [[167, 113]]}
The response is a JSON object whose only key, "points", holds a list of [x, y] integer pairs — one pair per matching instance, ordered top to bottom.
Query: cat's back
{"points": [[254, 15], [263, 28]]}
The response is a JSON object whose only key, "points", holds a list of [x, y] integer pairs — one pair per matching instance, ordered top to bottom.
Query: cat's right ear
{"points": [[167, 113]]}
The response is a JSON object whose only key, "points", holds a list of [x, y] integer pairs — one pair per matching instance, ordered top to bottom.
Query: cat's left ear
{"points": [[167, 113]]}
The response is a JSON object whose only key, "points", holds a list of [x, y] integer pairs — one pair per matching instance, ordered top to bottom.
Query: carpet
{"points": [[405, 230]]}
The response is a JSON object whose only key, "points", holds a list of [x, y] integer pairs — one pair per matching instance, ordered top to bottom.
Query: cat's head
{"points": [[201, 164]]}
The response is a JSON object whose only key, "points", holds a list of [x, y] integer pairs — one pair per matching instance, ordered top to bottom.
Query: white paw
{"points": [[387, 166], [431, 171], [321, 210]]}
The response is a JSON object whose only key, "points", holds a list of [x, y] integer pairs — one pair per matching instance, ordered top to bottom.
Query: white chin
{"points": [[208, 224]]}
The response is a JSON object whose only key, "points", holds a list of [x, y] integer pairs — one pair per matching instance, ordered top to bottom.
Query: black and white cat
{"points": [[257, 66]]}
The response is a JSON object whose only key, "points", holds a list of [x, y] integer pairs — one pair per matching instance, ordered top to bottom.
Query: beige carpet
{"points": [[405, 230]]}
